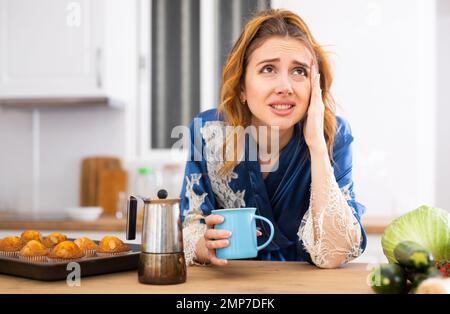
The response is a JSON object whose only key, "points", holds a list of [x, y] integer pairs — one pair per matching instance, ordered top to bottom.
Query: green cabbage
{"points": [[427, 226]]}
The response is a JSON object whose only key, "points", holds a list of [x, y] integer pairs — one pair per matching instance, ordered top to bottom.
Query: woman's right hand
{"points": [[213, 239]]}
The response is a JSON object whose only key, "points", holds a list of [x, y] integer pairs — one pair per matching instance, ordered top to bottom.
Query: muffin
{"points": [[29, 235], [53, 239], [111, 245], [10, 246], [88, 246], [34, 251], [65, 251]]}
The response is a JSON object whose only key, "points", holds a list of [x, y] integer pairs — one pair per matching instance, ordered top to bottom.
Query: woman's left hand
{"points": [[313, 129]]}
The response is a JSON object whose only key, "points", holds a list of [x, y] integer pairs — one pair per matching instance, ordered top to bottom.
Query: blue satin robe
{"points": [[283, 196]]}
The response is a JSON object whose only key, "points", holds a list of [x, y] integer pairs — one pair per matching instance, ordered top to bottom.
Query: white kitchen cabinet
{"points": [[51, 48]]}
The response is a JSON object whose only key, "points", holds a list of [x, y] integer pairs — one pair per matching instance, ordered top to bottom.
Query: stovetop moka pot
{"points": [[162, 259]]}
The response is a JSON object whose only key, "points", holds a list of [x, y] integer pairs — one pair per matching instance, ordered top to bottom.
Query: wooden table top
{"points": [[258, 277]]}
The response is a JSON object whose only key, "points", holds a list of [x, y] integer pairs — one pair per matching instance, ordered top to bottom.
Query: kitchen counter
{"points": [[371, 225], [237, 277]]}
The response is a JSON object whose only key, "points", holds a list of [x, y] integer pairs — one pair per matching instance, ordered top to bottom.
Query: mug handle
{"points": [[271, 232]]}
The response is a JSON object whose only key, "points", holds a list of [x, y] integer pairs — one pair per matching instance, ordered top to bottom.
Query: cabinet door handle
{"points": [[98, 67]]}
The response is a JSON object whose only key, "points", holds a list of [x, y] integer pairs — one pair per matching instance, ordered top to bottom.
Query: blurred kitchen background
{"points": [[91, 89]]}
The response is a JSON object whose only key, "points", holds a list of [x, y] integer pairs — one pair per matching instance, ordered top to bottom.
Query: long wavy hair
{"points": [[264, 25]]}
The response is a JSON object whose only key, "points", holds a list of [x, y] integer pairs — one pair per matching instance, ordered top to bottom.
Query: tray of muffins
{"points": [[47, 258]]}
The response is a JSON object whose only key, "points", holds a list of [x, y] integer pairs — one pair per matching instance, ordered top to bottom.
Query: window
{"points": [[183, 45]]}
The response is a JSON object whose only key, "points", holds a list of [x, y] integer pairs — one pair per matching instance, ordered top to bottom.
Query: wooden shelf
{"points": [[57, 102], [108, 223], [102, 224]]}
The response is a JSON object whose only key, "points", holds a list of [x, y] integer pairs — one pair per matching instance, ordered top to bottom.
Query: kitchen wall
{"points": [[384, 65], [391, 87], [443, 104], [66, 136], [15, 159]]}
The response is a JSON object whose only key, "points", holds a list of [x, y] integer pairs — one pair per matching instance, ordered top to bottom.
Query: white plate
{"points": [[88, 213]]}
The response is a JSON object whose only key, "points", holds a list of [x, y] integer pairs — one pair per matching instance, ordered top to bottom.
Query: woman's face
{"points": [[277, 85]]}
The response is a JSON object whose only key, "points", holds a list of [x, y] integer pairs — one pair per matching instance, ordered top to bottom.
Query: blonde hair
{"points": [[264, 25]]}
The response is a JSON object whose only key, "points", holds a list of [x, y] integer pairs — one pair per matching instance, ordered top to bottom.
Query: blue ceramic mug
{"points": [[241, 223]]}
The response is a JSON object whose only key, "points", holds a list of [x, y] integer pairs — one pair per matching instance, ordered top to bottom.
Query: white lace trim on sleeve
{"points": [[224, 194], [193, 229], [337, 229], [191, 234]]}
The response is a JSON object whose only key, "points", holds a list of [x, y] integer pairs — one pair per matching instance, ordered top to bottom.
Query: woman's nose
{"points": [[284, 87]]}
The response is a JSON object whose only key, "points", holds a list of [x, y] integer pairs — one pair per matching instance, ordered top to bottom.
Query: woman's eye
{"points": [[267, 69], [300, 71]]}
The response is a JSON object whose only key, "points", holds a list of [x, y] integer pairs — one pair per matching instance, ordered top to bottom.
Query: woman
{"points": [[278, 77]]}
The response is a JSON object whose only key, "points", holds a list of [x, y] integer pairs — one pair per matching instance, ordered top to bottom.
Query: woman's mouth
{"points": [[282, 109]]}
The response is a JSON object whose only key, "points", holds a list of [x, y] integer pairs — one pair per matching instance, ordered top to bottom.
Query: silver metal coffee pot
{"points": [[162, 258]]}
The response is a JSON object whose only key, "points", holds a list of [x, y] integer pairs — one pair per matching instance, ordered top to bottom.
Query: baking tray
{"points": [[89, 266]]}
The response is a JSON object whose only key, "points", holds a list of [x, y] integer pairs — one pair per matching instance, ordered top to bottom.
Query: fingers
{"points": [[314, 70], [312, 73], [314, 76], [315, 81], [317, 88], [316, 103], [212, 220], [258, 233], [213, 234], [216, 239], [217, 244], [212, 246], [213, 259], [217, 261]]}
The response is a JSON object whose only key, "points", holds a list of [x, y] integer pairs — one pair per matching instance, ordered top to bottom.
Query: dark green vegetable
{"points": [[413, 256], [432, 271], [388, 278], [416, 278]]}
